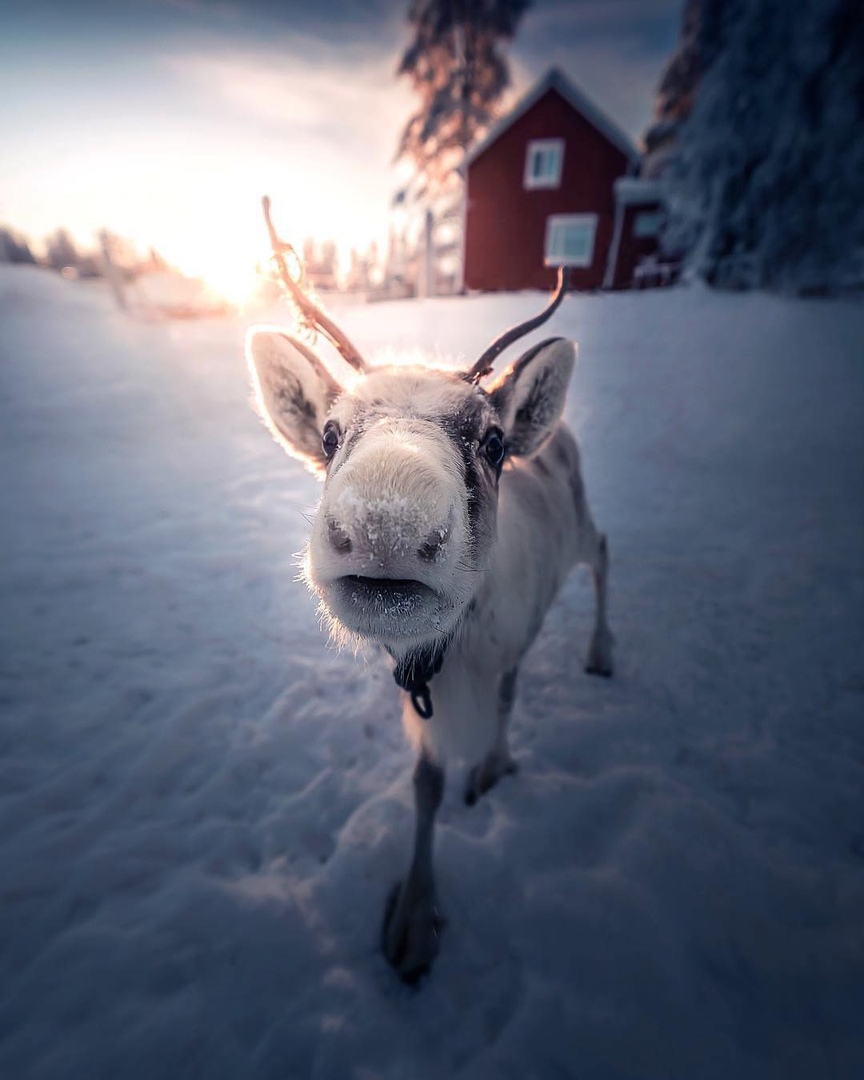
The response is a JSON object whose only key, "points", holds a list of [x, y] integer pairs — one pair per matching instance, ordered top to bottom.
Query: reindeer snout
{"points": [[389, 511], [393, 511], [390, 533], [339, 539], [434, 544], [388, 546], [428, 551]]}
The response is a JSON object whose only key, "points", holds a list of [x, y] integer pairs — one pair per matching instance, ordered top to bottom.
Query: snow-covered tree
{"points": [[456, 64], [676, 92], [766, 174], [13, 247], [61, 251]]}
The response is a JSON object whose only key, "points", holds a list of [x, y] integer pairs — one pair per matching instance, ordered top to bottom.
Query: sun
{"points": [[230, 252], [229, 269]]}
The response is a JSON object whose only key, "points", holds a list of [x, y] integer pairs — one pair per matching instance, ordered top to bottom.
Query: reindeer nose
{"points": [[390, 507], [383, 537], [339, 539], [433, 544], [428, 551]]}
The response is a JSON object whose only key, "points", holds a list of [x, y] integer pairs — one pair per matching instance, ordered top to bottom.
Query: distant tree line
{"points": [[62, 253]]}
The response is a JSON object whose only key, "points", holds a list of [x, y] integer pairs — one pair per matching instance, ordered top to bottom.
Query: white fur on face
{"points": [[395, 509], [407, 520]]}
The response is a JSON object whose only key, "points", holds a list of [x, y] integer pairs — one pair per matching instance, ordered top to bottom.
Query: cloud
{"points": [[210, 8], [606, 16], [614, 50], [623, 87], [345, 98]]}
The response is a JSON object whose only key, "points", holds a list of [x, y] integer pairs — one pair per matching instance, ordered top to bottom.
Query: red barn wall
{"points": [[505, 224]]}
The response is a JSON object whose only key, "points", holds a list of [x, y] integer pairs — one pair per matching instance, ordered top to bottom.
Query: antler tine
{"points": [[311, 312], [484, 364]]}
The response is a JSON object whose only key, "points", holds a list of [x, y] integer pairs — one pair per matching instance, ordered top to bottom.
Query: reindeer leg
{"points": [[600, 652], [498, 762], [412, 923]]}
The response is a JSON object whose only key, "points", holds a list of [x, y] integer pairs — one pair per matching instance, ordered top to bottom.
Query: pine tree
{"points": [[456, 65], [765, 182]]}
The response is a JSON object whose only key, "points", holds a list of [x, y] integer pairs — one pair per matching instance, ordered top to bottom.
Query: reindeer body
{"points": [[450, 517], [543, 529]]}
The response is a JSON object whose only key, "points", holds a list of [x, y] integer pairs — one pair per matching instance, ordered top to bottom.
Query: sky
{"points": [[166, 120]]}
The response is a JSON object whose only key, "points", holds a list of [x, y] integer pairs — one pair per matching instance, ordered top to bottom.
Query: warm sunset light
{"points": [[165, 123], [228, 250], [228, 269]]}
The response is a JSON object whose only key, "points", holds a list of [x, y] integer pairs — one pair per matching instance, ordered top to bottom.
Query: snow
{"points": [[203, 807]]}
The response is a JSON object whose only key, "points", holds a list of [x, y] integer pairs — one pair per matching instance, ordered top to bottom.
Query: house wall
{"points": [[505, 226], [632, 248]]}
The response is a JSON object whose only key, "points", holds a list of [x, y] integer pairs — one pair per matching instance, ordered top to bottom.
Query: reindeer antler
{"points": [[310, 311], [484, 364]]}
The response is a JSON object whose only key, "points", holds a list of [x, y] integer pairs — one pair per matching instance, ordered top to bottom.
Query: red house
{"points": [[540, 192]]}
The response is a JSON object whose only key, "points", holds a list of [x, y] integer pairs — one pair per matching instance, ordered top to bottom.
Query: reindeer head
{"points": [[411, 459]]}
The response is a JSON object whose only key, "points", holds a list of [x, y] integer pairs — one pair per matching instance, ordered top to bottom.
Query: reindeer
{"points": [[451, 514]]}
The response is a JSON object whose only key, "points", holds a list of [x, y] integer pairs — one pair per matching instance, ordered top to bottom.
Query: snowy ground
{"points": [[202, 807]]}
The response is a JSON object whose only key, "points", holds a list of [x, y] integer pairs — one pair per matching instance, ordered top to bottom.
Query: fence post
{"points": [[427, 261]]}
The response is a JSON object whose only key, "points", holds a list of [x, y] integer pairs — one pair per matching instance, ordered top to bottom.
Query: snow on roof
{"points": [[556, 80], [634, 189]]}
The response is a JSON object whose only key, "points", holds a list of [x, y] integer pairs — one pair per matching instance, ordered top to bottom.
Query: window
{"points": [[543, 162], [647, 224], [570, 239]]}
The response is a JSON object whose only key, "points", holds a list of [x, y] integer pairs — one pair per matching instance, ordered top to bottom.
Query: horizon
{"points": [[165, 122]]}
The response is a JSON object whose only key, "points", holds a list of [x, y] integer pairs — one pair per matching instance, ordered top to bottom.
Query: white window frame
{"points": [[550, 180], [562, 221]]}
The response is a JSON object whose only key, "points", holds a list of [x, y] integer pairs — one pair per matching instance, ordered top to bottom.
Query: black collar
{"points": [[414, 672]]}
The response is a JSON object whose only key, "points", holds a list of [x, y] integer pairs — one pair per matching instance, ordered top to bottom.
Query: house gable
{"points": [[576, 98], [507, 217]]}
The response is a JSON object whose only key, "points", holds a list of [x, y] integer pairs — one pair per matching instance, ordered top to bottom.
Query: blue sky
{"points": [[166, 119]]}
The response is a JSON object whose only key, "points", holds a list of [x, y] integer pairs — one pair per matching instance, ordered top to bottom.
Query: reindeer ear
{"points": [[293, 391], [529, 396]]}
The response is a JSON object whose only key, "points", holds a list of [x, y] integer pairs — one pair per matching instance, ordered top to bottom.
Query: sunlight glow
{"points": [[201, 215], [233, 257], [228, 269], [414, 356]]}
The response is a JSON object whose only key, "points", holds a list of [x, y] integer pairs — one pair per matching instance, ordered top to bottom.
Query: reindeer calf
{"points": [[450, 516]]}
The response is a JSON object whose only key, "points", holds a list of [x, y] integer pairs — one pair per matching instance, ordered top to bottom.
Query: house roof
{"points": [[555, 80]]}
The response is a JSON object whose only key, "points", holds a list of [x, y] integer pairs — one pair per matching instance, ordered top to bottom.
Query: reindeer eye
{"points": [[330, 439], [493, 447]]}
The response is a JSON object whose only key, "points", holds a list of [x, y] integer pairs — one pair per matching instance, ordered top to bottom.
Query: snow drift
{"points": [[203, 807]]}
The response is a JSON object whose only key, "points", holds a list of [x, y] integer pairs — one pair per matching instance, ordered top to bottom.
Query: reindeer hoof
{"points": [[600, 654], [485, 776], [411, 931]]}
